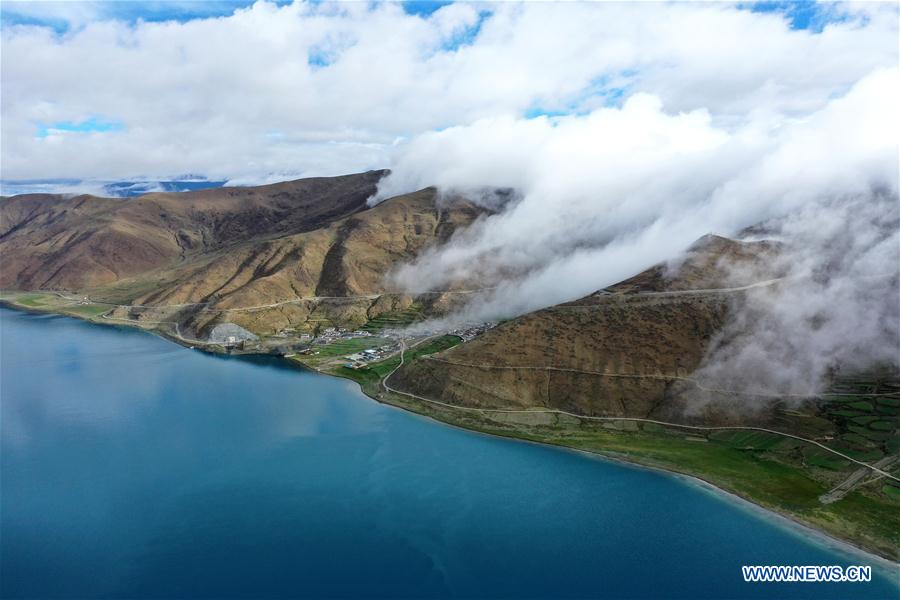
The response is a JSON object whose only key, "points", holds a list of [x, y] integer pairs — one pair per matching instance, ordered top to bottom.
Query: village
{"points": [[357, 349]]}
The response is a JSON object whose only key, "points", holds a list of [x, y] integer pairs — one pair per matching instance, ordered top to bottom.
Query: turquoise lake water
{"points": [[134, 468]]}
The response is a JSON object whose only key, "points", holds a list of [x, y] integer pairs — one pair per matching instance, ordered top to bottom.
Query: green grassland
{"points": [[33, 300], [48, 302], [86, 310], [344, 347], [377, 371], [370, 376], [867, 428]]}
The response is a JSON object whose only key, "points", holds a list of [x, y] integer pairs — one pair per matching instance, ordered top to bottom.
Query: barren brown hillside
{"points": [[54, 242], [268, 257], [623, 351]]}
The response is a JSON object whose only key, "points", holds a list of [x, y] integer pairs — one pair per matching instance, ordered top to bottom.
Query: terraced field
{"points": [[395, 319], [866, 413]]}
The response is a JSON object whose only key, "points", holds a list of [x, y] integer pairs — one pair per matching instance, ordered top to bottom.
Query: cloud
{"points": [[324, 88], [610, 193], [607, 194], [838, 307]]}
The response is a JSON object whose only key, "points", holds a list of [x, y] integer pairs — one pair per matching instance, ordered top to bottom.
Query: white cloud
{"points": [[237, 97], [610, 193], [605, 195], [837, 309]]}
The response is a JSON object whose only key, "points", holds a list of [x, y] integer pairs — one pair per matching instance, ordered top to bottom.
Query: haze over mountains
{"points": [[119, 189], [617, 351]]}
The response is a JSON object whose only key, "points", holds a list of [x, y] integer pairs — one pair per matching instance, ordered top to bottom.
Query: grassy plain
{"points": [[54, 303]]}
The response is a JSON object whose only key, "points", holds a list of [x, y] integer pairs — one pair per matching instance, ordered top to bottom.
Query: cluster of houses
{"points": [[470, 331], [330, 334], [360, 359]]}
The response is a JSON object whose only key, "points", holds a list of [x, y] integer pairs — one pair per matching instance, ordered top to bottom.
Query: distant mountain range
{"points": [[116, 189]]}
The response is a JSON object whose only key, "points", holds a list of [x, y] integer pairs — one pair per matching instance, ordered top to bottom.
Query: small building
{"points": [[230, 335]]}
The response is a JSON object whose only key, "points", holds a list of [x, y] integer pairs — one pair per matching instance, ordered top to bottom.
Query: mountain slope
{"points": [[54, 242], [269, 258], [623, 351]]}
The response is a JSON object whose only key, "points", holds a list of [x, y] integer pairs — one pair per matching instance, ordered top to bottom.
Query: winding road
{"points": [[271, 304], [690, 380], [390, 389]]}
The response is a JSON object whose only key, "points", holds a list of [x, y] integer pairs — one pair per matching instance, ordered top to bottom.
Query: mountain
{"points": [[57, 242], [197, 258], [622, 351]]}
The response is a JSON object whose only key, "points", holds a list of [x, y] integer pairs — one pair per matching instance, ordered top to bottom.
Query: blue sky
{"points": [[54, 13], [802, 14], [58, 15], [89, 125]]}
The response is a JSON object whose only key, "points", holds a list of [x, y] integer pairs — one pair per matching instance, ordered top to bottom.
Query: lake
{"points": [[133, 467]]}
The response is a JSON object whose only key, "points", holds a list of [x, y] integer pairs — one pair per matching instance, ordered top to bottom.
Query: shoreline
{"points": [[778, 516], [784, 519], [788, 521]]}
